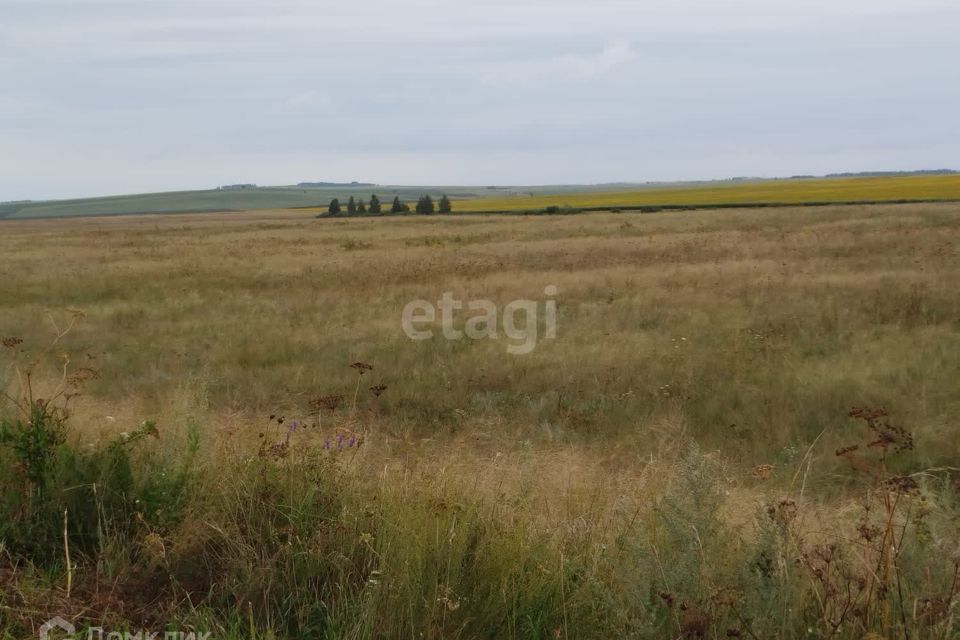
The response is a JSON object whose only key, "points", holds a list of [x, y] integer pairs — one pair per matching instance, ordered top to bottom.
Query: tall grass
{"points": [[684, 460], [283, 535]]}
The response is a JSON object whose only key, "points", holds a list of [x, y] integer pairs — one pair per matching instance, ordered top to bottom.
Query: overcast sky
{"points": [[138, 95]]}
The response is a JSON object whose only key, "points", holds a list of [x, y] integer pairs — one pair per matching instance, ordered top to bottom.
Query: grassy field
{"points": [[870, 189], [259, 198], [513, 198], [215, 200], [746, 425]]}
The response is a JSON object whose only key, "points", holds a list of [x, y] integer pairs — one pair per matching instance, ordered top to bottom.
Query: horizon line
{"points": [[239, 186]]}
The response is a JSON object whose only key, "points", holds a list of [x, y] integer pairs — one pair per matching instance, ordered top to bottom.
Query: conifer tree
{"points": [[445, 206]]}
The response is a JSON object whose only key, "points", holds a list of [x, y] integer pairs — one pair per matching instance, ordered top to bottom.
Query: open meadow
{"points": [[896, 188], [746, 425]]}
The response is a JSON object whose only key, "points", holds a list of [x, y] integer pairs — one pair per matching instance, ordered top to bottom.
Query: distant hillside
{"points": [[890, 174], [336, 184], [941, 184], [251, 197], [220, 199]]}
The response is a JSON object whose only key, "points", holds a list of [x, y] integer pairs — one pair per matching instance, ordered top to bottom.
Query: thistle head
{"points": [[361, 367]]}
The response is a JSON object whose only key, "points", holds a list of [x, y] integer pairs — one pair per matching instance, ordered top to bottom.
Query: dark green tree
{"points": [[374, 204], [425, 205], [351, 206], [361, 206], [397, 206], [445, 206], [334, 207]]}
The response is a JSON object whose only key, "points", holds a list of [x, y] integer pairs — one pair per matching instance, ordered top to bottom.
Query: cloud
{"points": [[614, 54], [560, 68], [118, 96], [304, 102]]}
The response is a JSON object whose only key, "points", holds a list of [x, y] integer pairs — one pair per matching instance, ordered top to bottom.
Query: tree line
{"points": [[425, 206]]}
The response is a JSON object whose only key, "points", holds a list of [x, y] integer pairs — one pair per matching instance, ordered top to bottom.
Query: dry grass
{"points": [[774, 320], [527, 495]]}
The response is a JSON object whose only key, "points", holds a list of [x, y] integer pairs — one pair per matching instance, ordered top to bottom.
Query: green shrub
{"points": [[103, 492]]}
